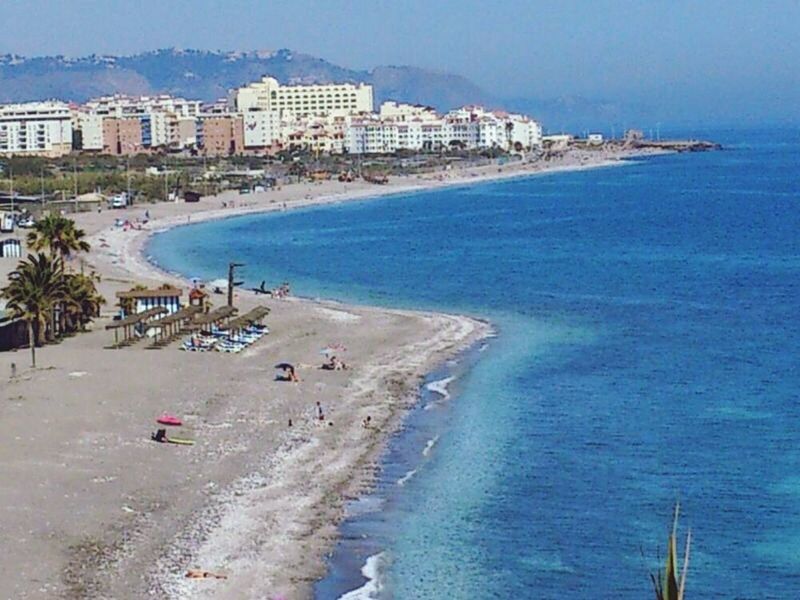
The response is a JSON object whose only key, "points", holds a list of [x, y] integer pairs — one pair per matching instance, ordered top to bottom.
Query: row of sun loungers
{"points": [[225, 340]]}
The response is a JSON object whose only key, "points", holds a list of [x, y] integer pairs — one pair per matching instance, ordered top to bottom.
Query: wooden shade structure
{"points": [[253, 316], [214, 317], [128, 323], [172, 325]]}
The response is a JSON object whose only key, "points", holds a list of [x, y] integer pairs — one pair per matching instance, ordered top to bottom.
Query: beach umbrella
{"points": [[285, 366]]}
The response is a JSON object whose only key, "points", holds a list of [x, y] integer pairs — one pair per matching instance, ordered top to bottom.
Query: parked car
{"points": [[118, 201]]}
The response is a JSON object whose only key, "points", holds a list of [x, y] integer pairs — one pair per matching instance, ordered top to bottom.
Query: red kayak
{"points": [[166, 419]]}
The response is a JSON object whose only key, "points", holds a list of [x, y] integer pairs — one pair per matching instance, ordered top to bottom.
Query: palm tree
{"points": [[509, 134], [58, 235], [34, 288], [82, 300]]}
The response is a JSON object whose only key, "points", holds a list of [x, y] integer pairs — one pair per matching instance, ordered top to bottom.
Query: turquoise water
{"points": [[647, 352]]}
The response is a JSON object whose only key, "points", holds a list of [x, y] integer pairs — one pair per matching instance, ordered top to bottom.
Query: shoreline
{"points": [[284, 542], [356, 563]]}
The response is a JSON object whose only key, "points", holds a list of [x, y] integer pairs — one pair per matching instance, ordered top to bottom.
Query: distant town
{"points": [[262, 118], [119, 150]]}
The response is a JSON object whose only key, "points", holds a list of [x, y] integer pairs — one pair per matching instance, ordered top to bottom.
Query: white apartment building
{"points": [[303, 100], [120, 105], [394, 111], [90, 126], [36, 128], [466, 128], [262, 129], [499, 129], [491, 133], [523, 133], [320, 135], [409, 135], [370, 136], [376, 136]]}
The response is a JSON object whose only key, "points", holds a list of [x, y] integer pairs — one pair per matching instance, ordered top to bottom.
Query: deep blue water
{"points": [[648, 351]]}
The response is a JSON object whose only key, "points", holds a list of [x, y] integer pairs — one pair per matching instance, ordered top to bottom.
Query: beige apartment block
{"points": [[223, 135], [122, 137]]}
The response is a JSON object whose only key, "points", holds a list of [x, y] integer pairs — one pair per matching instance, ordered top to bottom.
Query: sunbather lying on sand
{"points": [[334, 364], [199, 574]]}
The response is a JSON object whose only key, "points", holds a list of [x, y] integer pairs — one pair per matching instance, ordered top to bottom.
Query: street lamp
{"points": [[75, 181], [11, 186]]}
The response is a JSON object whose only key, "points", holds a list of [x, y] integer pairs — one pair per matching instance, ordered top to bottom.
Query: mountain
{"points": [[209, 75], [419, 86], [578, 114]]}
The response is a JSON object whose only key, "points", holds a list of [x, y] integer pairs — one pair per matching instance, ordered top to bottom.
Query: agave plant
{"points": [[34, 288], [667, 585]]}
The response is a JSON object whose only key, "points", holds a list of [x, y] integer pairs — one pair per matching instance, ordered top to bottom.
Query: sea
{"points": [[647, 353]]}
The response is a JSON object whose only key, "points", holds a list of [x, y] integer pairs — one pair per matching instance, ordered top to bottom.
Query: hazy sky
{"points": [[743, 54]]}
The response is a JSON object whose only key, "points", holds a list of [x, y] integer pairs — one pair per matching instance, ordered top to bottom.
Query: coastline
{"points": [[265, 520]]}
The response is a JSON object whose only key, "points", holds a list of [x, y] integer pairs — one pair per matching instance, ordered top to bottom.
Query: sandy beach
{"points": [[92, 508]]}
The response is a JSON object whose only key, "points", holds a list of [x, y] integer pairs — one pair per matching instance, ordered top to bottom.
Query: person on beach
{"points": [[334, 364], [320, 414], [367, 422]]}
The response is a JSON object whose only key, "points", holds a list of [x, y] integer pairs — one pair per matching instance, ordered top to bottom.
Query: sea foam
{"points": [[440, 387], [429, 446], [405, 478], [374, 570]]}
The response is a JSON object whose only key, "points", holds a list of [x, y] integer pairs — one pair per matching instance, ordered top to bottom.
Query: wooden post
{"points": [[231, 268]]}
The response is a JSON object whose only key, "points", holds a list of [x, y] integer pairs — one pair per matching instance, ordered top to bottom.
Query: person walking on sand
{"points": [[320, 414]]}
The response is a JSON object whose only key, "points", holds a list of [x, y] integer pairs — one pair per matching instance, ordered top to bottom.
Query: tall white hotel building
{"points": [[303, 100]]}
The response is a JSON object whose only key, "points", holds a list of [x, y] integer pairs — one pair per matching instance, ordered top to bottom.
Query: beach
{"points": [[100, 510]]}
